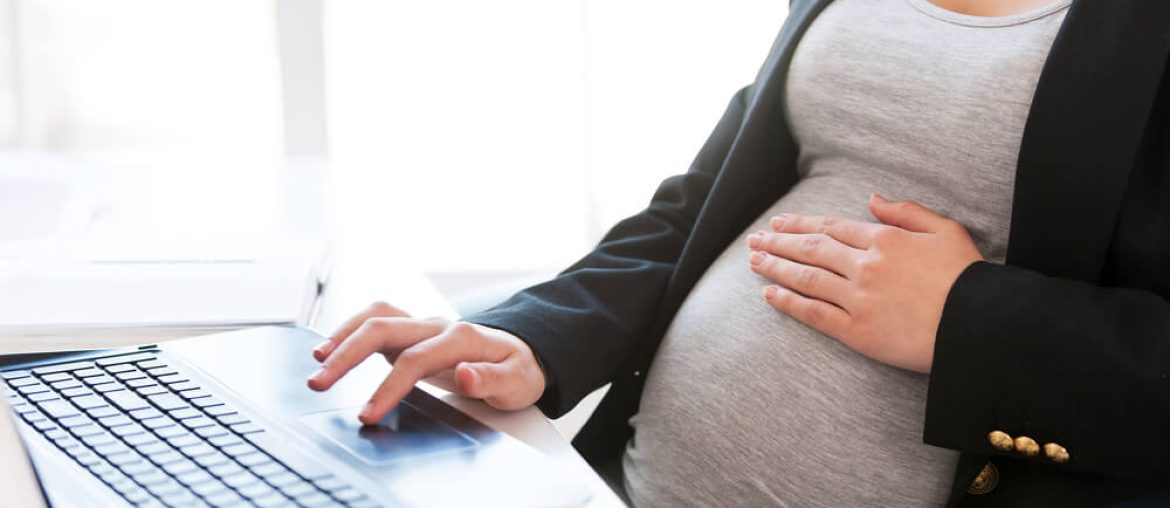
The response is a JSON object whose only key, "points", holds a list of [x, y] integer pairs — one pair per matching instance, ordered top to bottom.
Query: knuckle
{"points": [[828, 224], [886, 236], [812, 243], [807, 278], [381, 307], [461, 329], [408, 357]]}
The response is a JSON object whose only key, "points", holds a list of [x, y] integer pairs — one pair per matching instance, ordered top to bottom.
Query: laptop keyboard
{"points": [[159, 439]]}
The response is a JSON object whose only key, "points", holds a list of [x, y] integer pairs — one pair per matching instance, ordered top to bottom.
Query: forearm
{"points": [[584, 323], [1059, 361]]}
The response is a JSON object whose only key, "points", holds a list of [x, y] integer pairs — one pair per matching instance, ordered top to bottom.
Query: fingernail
{"points": [[878, 197], [778, 222], [756, 239], [758, 258], [769, 292], [321, 347], [317, 376], [367, 412]]}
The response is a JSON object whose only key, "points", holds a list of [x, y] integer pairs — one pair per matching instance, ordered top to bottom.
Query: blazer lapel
{"points": [[1083, 132]]}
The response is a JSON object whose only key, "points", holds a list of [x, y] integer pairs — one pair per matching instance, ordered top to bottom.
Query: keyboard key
{"points": [[139, 357], [151, 364], [63, 367], [118, 369], [88, 372], [14, 374], [130, 375], [55, 377], [171, 378], [99, 379], [23, 381], [140, 383], [183, 386], [108, 387], [30, 389], [152, 390], [76, 392], [199, 394], [43, 396], [89, 401], [127, 401], [167, 401], [58, 408], [216, 410], [102, 412], [186, 412], [144, 413], [232, 419], [75, 420], [115, 421], [197, 422], [157, 423], [43, 425], [246, 428], [87, 430], [126, 431], [172, 431], [212, 431], [103, 438], [141, 439], [184, 440], [225, 440], [112, 448], [154, 448], [239, 449], [197, 450], [167, 457], [123, 458], [253, 459], [218, 464], [179, 467], [269, 469], [196, 477], [281, 479], [239, 480], [331, 483], [166, 488], [207, 489], [298, 489], [256, 490], [347, 495], [225, 498], [273, 500], [314, 500]]}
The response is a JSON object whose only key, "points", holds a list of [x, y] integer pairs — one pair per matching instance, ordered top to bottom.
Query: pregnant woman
{"points": [[922, 260]]}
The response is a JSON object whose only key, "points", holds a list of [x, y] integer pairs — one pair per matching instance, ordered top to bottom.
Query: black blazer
{"points": [[1068, 343]]}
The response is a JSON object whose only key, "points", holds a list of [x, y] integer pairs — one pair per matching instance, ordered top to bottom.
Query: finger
{"points": [[907, 215], [858, 235], [813, 249], [807, 280], [376, 309], [825, 317], [387, 335], [422, 360], [498, 384]]}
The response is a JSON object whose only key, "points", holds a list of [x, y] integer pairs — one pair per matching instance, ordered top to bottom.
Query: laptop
{"points": [[226, 420]]}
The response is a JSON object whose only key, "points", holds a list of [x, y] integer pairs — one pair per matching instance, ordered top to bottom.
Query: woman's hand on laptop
{"points": [[468, 359]]}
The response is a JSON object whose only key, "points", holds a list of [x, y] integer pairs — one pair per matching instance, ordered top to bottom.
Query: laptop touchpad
{"points": [[404, 433]]}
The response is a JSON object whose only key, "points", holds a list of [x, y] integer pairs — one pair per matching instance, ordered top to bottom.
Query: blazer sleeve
{"points": [[586, 322], [1060, 361]]}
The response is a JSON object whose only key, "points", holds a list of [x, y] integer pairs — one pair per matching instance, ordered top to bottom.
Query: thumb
{"points": [[907, 215]]}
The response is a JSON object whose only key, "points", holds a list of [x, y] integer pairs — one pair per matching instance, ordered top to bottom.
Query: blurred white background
{"points": [[467, 136]]}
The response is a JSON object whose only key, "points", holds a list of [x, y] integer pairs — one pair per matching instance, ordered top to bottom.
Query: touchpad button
{"points": [[404, 433]]}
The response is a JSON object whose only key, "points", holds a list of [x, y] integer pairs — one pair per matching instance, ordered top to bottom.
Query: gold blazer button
{"points": [[1001, 440]]}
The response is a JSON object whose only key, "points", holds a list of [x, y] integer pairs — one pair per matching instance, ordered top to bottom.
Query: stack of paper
{"points": [[119, 302]]}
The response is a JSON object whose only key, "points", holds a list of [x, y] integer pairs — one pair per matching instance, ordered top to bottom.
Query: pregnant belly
{"points": [[744, 406]]}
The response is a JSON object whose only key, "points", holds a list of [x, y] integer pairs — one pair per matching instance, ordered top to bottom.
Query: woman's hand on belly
{"points": [[878, 288]]}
